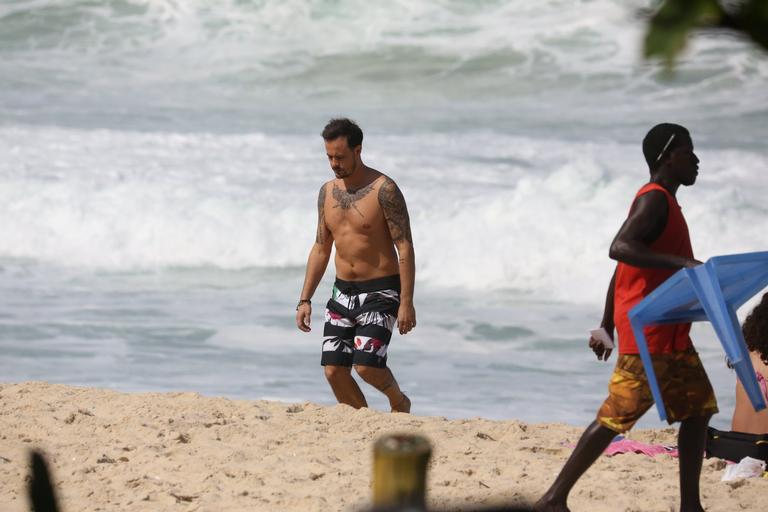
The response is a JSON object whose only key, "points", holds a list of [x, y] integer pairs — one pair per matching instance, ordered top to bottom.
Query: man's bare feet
{"points": [[404, 405]]}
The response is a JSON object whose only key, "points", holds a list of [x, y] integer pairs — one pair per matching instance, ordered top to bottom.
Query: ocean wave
{"points": [[509, 65], [488, 211]]}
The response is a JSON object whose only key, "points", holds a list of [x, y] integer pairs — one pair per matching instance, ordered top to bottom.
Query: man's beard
{"points": [[342, 173]]}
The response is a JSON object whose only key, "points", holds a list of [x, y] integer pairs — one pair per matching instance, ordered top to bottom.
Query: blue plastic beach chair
{"points": [[712, 291]]}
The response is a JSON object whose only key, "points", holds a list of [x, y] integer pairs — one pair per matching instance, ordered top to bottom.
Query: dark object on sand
{"points": [[734, 446], [41, 494]]}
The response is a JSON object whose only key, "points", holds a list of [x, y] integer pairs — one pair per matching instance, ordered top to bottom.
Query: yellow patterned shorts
{"points": [[683, 382]]}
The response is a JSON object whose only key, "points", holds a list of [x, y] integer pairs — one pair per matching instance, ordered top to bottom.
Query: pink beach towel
{"points": [[629, 446]]}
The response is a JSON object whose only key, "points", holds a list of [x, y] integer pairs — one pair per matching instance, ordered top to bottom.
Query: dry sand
{"points": [[183, 452]]}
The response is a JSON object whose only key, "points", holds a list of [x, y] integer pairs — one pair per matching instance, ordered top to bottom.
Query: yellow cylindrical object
{"points": [[400, 471]]}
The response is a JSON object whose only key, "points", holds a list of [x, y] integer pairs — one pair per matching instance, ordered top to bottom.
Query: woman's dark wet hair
{"points": [[343, 127], [661, 140], [755, 329]]}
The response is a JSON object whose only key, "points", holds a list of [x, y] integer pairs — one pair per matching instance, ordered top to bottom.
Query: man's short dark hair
{"points": [[343, 127], [660, 141]]}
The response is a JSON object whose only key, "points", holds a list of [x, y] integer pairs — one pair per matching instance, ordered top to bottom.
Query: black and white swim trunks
{"points": [[359, 320]]}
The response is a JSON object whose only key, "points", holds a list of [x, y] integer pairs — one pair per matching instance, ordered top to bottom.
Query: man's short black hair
{"points": [[343, 127], [660, 141]]}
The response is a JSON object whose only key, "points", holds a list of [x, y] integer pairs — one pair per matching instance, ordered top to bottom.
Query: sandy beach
{"points": [[184, 451]]}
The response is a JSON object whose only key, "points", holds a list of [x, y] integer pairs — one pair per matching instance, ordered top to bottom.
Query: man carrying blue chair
{"points": [[651, 245]]}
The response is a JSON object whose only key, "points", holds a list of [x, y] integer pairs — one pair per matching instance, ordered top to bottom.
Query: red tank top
{"points": [[635, 283]]}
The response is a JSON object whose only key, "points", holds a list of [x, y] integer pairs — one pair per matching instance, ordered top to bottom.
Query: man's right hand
{"points": [[303, 317], [597, 347]]}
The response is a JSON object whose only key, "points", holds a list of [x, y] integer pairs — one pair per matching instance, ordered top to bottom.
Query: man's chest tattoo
{"points": [[346, 199]]}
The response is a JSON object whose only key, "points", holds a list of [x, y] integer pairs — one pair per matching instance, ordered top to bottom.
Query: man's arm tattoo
{"points": [[393, 205], [321, 228]]}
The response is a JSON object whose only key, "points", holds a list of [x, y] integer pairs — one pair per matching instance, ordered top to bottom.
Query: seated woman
{"points": [[755, 330]]}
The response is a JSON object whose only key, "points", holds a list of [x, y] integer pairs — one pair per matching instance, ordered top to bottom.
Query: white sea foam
{"points": [[488, 211]]}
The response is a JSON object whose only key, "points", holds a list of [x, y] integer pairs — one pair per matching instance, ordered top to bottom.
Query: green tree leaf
{"points": [[754, 21], [669, 28]]}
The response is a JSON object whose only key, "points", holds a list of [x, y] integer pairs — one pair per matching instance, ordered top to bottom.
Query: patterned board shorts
{"points": [[359, 320], [683, 382]]}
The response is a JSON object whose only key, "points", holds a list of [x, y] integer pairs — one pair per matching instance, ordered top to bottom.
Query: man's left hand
{"points": [[406, 318]]}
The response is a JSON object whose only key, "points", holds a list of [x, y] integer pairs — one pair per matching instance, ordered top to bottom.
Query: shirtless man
{"points": [[363, 212]]}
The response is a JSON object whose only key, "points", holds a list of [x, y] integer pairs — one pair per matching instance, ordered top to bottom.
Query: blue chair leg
{"points": [[726, 324], [650, 373]]}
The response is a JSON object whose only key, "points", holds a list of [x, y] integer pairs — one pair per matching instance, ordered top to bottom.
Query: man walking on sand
{"points": [[363, 213], [650, 246]]}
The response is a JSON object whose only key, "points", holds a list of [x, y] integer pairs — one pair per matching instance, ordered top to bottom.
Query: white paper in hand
{"points": [[602, 336]]}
